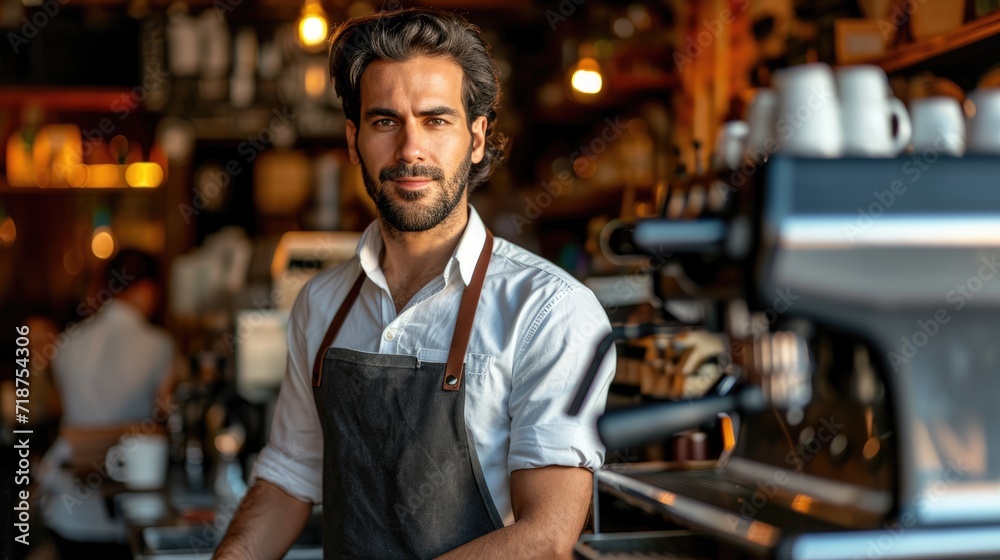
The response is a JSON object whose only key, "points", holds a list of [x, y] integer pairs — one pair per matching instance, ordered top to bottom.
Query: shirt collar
{"points": [[469, 247], [466, 253], [122, 311]]}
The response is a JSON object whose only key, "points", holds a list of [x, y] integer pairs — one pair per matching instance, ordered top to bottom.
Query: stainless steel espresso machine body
{"points": [[860, 298]]}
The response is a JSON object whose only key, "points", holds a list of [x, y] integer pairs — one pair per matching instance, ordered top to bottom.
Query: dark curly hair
{"points": [[399, 35]]}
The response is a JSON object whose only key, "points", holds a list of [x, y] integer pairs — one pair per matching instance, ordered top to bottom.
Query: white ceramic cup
{"points": [[867, 109], [808, 117], [938, 124], [984, 125], [762, 140], [730, 144], [140, 461]]}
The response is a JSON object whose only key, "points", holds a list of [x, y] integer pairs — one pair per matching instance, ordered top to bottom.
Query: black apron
{"points": [[400, 474]]}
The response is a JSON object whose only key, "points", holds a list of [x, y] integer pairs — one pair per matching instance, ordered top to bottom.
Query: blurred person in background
{"points": [[116, 366], [112, 371]]}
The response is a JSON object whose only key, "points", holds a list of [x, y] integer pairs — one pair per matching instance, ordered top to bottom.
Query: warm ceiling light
{"points": [[313, 27], [312, 30], [586, 77], [102, 243]]}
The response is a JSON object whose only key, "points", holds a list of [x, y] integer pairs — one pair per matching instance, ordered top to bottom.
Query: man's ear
{"points": [[478, 130], [352, 142]]}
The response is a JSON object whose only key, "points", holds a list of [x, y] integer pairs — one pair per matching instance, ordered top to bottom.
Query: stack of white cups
{"points": [[814, 111]]}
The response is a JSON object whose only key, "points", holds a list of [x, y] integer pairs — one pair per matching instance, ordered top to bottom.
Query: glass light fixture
{"points": [[313, 26], [585, 76]]}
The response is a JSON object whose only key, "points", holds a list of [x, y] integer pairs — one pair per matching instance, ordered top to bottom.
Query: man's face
{"points": [[413, 141]]}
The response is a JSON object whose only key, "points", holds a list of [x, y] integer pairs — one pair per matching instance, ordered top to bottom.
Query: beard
{"points": [[414, 211]]}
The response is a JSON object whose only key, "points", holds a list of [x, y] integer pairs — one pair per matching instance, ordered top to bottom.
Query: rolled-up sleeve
{"points": [[551, 361], [293, 457]]}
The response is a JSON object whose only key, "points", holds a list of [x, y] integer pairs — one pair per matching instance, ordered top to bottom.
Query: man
{"points": [[116, 366], [111, 372], [424, 403]]}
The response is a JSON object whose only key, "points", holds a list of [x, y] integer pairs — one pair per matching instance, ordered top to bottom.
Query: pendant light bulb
{"points": [[313, 26]]}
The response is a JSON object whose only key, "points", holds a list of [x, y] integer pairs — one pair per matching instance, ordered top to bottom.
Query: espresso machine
{"points": [[859, 299]]}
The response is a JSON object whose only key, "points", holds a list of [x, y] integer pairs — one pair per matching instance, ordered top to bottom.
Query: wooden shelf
{"points": [[980, 36], [100, 100], [7, 190], [29, 191]]}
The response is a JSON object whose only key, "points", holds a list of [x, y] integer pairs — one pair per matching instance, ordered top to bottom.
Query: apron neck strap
{"points": [[466, 315], [331, 332]]}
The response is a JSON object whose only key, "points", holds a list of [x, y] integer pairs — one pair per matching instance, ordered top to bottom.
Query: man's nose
{"points": [[410, 148]]}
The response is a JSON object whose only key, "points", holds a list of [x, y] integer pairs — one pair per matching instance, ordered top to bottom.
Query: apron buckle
{"points": [[453, 382]]}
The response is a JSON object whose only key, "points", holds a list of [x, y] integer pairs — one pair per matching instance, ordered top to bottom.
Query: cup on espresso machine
{"points": [[867, 110], [808, 117], [984, 123], [938, 124]]}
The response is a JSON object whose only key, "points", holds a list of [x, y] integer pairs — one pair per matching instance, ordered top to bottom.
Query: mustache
{"points": [[400, 171]]}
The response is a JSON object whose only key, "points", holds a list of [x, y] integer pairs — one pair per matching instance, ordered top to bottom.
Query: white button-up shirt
{"points": [[535, 332], [110, 370]]}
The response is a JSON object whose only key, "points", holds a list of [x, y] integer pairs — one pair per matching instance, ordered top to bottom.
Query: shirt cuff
{"points": [[565, 445], [290, 475]]}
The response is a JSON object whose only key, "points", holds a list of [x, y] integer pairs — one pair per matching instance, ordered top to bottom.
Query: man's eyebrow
{"points": [[438, 111], [381, 112], [432, 112]]}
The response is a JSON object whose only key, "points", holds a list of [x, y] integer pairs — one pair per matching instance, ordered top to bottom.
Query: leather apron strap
{"points": [[334, 328], [455, 367]]}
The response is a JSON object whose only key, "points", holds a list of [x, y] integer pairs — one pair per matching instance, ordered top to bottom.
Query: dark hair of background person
{"points": [[399, 35], [134, 266]]}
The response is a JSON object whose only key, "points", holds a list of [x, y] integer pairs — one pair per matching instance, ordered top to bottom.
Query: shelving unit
{"points": [[962, 54], [103, 100], [6, 190]]}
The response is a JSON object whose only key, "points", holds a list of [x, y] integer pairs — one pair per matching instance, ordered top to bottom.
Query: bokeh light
{"points": [[623, 28], [586, 77], [144, 175], [8, 231], [102, 244], [73, 262]]}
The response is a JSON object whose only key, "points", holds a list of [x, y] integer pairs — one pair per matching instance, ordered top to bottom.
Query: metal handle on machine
{"points": [[659, 235], [635, 426]]}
